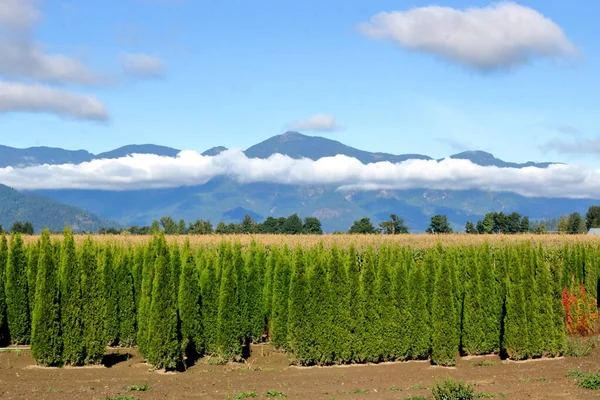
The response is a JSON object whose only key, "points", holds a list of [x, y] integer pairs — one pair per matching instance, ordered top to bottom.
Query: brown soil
{"points": [[268, 370]]}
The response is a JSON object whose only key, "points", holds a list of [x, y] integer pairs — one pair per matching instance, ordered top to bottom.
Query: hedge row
{"points": [[322, 305]]}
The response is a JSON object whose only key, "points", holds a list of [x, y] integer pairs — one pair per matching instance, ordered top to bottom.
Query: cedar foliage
{"points": [[32, 262], [255, 264], [281, 283], [17, 297], [111, 297], [92, 298], [146, 299], [126, 300], [210, 302], [70, 303], [190, 306], [387, 307], [297, 308], [318, 313], [401, 324], [229, 326], [370, 326], [420, 330], [4, 333], [339, 334], [473, 339], [46, 340], [444, 343], [515, 343], [164, 350]]}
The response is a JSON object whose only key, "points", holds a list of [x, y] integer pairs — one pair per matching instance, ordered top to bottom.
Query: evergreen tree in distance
{"points": [[17, 300], [46, 340]]}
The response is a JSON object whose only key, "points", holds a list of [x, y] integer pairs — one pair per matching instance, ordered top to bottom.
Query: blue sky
{"points": [[234, 73]]}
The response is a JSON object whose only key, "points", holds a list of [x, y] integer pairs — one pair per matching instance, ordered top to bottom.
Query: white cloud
{"points": [[18, 14], [502, 35], [22, 57], [142, 65], [37, 98], [319, 122], [578, 146], [190, 168]]}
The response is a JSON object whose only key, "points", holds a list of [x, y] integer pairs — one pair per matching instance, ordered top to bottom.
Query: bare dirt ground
{"points": [[268, 370]]}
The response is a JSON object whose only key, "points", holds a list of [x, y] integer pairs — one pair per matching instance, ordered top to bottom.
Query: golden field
{"points": [[345, 240]]}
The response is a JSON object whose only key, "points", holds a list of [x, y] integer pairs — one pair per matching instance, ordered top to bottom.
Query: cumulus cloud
{"points": [[18, 14], [502, 35], [22, 57], [142, 65], [38, 98], [319, 122], [578, 146], [140, 171]]}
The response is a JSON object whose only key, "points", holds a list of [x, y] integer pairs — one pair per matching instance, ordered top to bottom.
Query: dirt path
{"points": [[267, 370]]}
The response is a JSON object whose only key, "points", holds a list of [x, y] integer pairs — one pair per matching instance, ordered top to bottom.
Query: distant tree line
{"points": [[291, 225], [24, 228]]}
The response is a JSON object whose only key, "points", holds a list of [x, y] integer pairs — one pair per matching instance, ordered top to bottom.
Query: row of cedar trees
{"points": [[322, 305]]}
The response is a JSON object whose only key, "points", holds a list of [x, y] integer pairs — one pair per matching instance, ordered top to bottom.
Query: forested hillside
{"points": [[44, 212]]}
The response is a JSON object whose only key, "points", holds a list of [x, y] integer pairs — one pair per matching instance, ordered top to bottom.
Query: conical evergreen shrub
{"points": [[32, 261], [255, 265], [137, 274], [281, 284], [267, 293], [339, 295], [111, 297], [17, 298], [92, 298], [126, 300], [210, 302], [491, 302], [354, 306], [532, 306], [546, 306], [71, 307], [190, 307], [386, 307], [297, 310], [318, 313], [143, 315], [558, 317], [243, 318], [402, 318], [370, 326], [420, 330], [4, 333], [473, 339], [46, 340], [444, 341], [515, 341], [229, 343], [164, 349]]}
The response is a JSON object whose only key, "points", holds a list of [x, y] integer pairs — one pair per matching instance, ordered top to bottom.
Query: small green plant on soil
{"points": [[580, 346], [576, 373], [527, 379], [586, 381], [591, 381], [418, 387], [137, 388], [395, 389], [450, 389], [359, 391], [275, 393], [245, 395], [484, 395], [126, 397], [416, 398]]}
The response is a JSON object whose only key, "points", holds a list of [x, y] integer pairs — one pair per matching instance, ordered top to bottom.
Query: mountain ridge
{"points": [[291, 143]]}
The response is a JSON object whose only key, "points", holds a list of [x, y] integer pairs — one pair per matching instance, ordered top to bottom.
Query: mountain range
{"points": [[224, 199]]}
